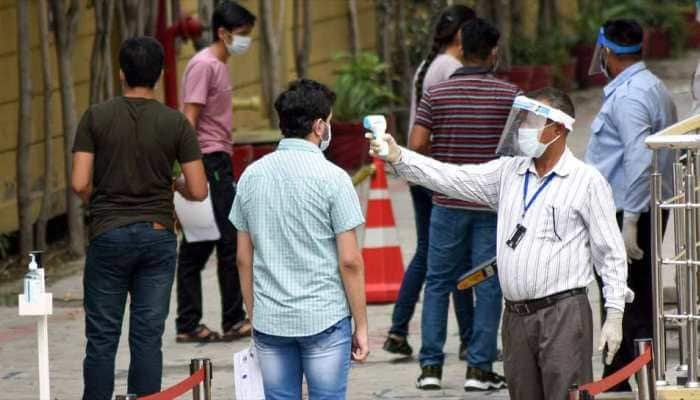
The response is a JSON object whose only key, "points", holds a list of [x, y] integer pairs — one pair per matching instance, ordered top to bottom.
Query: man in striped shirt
{"points": [[465, 116], [556, 219]]}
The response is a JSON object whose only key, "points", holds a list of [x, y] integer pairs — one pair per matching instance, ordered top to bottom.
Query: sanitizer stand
{"points": [[41, 309]]}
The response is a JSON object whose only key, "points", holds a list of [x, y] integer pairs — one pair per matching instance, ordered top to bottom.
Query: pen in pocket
{"points": [[554, 224]]}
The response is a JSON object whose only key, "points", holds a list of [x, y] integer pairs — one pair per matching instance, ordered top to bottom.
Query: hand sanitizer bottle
{"points": [[377, 124], [32, 283]]}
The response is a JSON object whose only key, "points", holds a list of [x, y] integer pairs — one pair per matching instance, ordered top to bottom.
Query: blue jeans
{"points": [[459, 241], [137, 260], [414, 276], [323, 358]]}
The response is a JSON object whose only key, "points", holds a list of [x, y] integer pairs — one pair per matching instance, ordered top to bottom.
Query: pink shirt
{"points": [[207, 82]]}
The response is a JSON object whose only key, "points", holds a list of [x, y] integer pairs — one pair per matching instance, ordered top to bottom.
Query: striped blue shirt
{"points": [[293, 203]]}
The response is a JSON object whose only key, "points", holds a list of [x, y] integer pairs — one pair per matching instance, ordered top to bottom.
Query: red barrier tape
{"points": [[598, 387], [179, 389]]}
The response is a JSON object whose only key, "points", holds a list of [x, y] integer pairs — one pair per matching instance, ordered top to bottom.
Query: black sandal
{"points": [[196, 336]]}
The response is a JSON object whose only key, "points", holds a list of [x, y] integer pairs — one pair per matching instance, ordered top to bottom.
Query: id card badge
{"points": [[515, 238]]}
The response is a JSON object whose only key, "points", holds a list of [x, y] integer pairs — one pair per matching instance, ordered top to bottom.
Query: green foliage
{"points": [[648, 13], [522, 51], [360, 87]]}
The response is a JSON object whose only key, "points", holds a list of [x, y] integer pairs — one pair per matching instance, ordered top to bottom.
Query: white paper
{"points": [[196, 219], [248, 377]]}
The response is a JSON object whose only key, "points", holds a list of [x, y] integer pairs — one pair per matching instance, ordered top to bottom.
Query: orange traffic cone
{"points": [[381, 250]]}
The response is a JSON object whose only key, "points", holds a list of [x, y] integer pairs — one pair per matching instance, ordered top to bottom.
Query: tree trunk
{"points": [[205, 8], [137, 17], [386, 20], [503, 20], [65, 28], [301, 32], [355, 45], [271, 57], [404, 65], [101, 87], [24, 132], [44, 214]]}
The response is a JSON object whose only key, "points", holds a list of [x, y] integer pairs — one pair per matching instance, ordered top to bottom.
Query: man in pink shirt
{"points": [[207, 104]]}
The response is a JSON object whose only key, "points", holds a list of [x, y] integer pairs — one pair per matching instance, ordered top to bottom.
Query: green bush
{"points": [[360, 87]]}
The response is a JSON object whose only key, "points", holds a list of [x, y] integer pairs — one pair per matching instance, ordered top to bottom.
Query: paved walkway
{"points": [[382, 377]]}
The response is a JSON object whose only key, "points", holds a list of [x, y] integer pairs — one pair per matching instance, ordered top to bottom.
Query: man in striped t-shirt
{"points": [[465, 116]]}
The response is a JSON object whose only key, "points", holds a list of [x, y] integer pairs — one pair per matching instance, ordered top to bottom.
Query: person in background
{"points": [[442, 61], [207, 104], [636, 104], [461, 120], [123, 160], [556, 222], [301, 269]]}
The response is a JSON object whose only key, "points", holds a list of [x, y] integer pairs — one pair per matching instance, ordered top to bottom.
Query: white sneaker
{"points": [[430, 377], [480, 380]]}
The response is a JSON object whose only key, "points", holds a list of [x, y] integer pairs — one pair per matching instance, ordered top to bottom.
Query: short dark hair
{"points": [[230, 15], [625, 32], [478, 39], [141, 61], [556, 98], [304, 102]]}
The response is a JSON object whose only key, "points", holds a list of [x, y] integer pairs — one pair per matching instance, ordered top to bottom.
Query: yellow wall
{"points": [[330, 35]]}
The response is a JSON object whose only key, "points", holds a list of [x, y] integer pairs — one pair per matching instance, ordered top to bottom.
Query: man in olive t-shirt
{"points": [[124, 153]]}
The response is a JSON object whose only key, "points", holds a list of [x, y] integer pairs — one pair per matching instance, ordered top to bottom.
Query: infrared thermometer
{"points": [[377, 124]]}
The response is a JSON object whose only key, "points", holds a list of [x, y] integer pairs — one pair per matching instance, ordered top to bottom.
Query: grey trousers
{"points": [[548, 351]]}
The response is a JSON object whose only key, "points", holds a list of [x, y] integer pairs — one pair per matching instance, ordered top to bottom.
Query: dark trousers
{"points": [[193, 256], [137, 260], [414, 276], [637, 322], [545, 352]]}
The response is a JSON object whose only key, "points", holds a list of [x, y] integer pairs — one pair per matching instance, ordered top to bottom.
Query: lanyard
{"points": [[526, 204]]}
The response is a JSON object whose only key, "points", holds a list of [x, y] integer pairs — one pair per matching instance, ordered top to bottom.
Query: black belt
{"points": [[531, 306]]}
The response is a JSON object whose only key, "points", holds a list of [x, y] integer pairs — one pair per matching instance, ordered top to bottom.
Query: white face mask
{"points": [[239, 44], [326, 138], [529, 142]]}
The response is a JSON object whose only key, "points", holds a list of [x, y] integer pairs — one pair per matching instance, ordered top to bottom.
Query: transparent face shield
{"points": [[604, 43], [695, 85], [528, 114]]}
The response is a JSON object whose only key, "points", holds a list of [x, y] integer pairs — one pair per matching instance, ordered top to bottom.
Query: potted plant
{"points": [[587, 23], [692, 27], [664, 33], [522, 56], [360, 90]]}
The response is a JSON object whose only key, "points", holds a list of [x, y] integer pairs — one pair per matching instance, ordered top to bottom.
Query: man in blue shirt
{"points": [[636, 104], [301, 270]]}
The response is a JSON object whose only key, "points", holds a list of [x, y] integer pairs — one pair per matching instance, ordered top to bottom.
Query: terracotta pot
{"points": [[693, 29], [657, 43], [584, 55], [521, 75], [542, 76], [566, 76], [349, 148]]}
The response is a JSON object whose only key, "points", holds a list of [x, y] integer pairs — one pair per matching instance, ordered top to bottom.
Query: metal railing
{"points": [[684, 205]]}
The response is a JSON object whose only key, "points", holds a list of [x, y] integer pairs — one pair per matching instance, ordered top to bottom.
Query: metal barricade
{"points": [[684, 205]]}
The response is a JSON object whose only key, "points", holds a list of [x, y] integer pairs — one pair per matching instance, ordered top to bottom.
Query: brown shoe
{"points": [[238, 331], [201, 334]]}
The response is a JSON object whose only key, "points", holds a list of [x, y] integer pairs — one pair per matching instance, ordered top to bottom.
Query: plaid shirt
{"points": [[466, 115], [293, 203]]}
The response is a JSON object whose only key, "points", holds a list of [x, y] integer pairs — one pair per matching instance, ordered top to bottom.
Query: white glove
{"points": [[394, 154], [629, 234], [611, 333]]}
